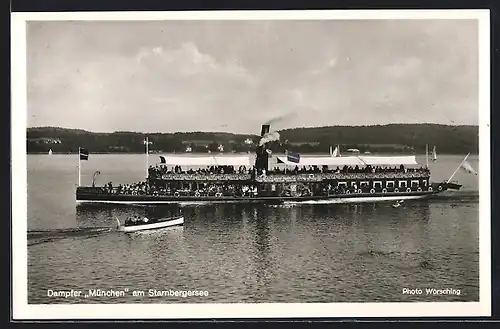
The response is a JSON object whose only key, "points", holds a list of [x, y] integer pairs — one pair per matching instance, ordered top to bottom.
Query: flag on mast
{"points": [[146, 141], [84, 154], [293, 157], [467, 167]]}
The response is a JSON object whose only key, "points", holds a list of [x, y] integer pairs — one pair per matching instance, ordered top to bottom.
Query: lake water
{"points": [[243, 253]]}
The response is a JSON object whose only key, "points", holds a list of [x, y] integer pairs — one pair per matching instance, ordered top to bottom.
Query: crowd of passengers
{"points": [[345, 169], [159, 172], [139, 188], [142, 188], [173, 189], [206, 189], [224, 190]]}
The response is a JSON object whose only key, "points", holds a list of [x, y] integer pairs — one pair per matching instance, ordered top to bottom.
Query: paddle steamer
{"points": [[182, 179]]}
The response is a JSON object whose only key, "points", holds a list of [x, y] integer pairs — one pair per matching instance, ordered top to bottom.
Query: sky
{"points": [[169, 76]]}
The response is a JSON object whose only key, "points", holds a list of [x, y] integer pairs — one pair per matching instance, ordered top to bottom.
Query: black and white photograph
{"points": [[251, 164]]}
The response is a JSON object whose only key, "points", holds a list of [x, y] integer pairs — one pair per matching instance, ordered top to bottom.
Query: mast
{"points": [[427, 155], [147, 156], [286, 157], [460, 165], [79, 168]]}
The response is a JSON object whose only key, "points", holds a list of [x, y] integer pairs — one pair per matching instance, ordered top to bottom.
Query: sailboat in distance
{"points": [[50, 152], [336, 152], [434, 154]]}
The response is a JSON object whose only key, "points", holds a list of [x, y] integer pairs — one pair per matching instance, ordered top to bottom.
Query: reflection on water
{"points": [[241, 253]]}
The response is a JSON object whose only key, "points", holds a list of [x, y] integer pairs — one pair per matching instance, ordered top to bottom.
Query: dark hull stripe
{"points": [[87, 197]]}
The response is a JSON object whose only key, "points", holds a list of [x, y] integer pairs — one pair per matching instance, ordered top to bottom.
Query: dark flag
{"points": [[84, 154], [293, 157], [162, 159]]}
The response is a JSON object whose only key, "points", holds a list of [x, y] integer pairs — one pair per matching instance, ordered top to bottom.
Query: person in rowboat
{"points": [[133, 220]]}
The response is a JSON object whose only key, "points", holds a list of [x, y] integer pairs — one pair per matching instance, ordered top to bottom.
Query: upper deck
{"points": [[314, 174]]}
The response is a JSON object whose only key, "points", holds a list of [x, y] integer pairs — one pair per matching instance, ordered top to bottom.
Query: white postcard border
{"points": [[23, 310]]}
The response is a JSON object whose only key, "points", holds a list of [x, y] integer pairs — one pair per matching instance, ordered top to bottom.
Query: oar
{"points": [[118, 221]]}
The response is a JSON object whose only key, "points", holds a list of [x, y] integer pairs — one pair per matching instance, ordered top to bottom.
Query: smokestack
{"points": [[264, 130], [262, 159]]}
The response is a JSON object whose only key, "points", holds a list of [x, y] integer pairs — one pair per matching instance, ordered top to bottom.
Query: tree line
{"points": [[392, 138]]}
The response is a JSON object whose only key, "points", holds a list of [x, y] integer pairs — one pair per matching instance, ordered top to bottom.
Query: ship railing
{"points": [[205, 177], [318, 177], [92, 189], [113, 190]]}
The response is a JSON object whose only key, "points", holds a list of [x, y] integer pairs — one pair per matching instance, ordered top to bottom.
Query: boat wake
{"points": [[463, 197], [284, 205], [43, 236]]}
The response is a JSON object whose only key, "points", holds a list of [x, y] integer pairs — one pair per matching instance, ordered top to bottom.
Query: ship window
{"points": [[425, 182], [415, 183], [342, 184], [353, 184], [363, 184], [377, 184], [389, 184], [402, 184], [273, 187]]}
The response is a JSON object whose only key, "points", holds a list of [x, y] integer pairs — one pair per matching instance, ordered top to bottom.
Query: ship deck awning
{"points": [[176, 160], [351, 161]]}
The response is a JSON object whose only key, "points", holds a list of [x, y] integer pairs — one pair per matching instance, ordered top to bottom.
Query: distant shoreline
{"points": [[387, 139]]}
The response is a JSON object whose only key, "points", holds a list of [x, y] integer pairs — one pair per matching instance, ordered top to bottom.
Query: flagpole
{"points": [[427, 155], [147, 157], [286, 158], [460, 165], [79, 168]]}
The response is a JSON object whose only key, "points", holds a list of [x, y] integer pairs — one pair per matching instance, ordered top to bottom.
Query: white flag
{"points": [[467, 167]]}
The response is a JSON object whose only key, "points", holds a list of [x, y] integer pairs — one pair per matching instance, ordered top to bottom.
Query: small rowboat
{"points": [[398, 203], [148, 224]]}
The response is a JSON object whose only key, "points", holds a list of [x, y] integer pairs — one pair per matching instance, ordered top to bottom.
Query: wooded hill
{"points": [[392, 138]]}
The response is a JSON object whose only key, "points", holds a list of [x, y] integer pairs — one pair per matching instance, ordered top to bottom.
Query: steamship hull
{"points": [[91, 198]]}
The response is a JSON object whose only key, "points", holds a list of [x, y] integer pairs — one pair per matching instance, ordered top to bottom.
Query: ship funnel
{"points": [[264, 130], [262, 157]]}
